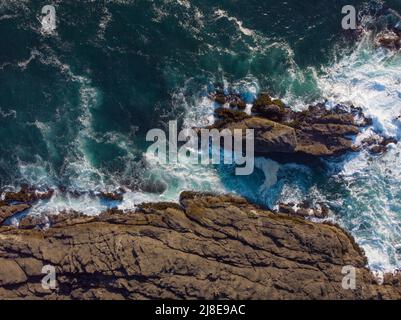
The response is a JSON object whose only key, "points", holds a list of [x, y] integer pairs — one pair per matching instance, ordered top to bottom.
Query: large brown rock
{"points": [[314, 132], [7, 211], [206, 247]]}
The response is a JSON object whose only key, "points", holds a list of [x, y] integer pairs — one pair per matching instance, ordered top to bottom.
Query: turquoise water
{"points": [[76, 105]]}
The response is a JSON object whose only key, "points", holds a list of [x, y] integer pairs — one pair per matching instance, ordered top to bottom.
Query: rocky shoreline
{"points": [[206, 247]]}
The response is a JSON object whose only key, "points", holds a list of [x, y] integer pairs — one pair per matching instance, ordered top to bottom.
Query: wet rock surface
{"points": [[389, 39], [315, 132], [27, 194], [7, 211], [208, 246]]}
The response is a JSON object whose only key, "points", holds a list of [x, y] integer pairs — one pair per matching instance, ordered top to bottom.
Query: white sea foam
{"points": [[223, 14], [371, 79], [270, 169]]}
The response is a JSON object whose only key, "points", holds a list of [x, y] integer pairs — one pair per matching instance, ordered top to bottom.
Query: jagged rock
{"points": [[388, 39], [220, 98], [234, 100], [263, 100], [237, 102], [269, 108], [226, 115], [313, 132], [269, 135], [376, 144], [27, 195], [112, 196], [304, 209], [7, 211], [53, 220], [206, 247]]}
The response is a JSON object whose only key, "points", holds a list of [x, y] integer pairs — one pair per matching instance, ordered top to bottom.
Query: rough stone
{"points": [[206, 247]]}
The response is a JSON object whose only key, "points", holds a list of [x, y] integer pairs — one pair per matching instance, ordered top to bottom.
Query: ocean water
{"points": [[76, 104]]}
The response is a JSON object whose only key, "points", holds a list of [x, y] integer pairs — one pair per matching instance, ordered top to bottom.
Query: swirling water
{"points": [[75, 104]]}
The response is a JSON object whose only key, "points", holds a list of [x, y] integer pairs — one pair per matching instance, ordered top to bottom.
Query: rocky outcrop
{"points": [[388, 39], [232, 99], [314, 132], [206, 247]]}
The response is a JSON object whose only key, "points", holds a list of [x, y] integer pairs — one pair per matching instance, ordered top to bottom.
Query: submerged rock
{"points": [[388, 39], [112, 196], [305, 210], [207, 247]]}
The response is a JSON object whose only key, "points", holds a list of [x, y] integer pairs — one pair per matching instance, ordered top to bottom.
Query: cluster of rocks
{"points": [[390, 37], [316, 131], [13, 203], [206, 247]]}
